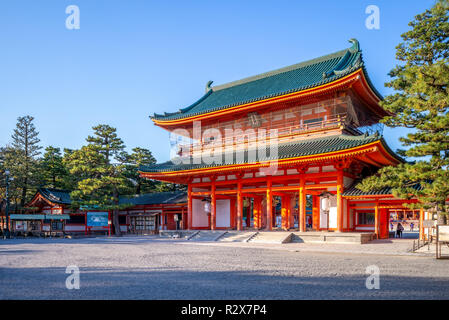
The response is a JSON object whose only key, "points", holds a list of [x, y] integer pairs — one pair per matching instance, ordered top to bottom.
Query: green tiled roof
{"points": [[279, 82], [285, 151], [354, 192], [55, 195], [63, 197], [172, 197]]}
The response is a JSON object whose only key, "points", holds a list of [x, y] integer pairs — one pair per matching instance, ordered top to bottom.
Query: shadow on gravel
{"points": [[4, 252], [97, 283]]}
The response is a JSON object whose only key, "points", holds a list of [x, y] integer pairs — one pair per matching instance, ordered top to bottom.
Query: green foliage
{"points": [[420, 102], [107, 141], [138, 157], [21, 158], [53, 172], [99, 181], [165, 187]]}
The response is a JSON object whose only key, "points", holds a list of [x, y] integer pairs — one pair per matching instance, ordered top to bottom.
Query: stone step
{"points": [[207, 235], [237, 236], [272, 237], [334, 237]]}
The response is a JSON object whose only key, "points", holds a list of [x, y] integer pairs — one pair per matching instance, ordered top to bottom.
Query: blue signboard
{"points": [[97, 219]]}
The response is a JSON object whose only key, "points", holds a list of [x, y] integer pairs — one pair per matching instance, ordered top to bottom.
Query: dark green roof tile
{"points": [[355, 192], [63, 197], [172, 197]]}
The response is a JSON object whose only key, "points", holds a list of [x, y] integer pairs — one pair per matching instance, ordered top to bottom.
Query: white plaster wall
{"points": [[199, 216], [333, 217], [223, 218], [74, 228]]}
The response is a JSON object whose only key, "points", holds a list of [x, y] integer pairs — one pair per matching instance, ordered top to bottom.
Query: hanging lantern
{"points": [[325, 201], [325, 204], [206, 206]]}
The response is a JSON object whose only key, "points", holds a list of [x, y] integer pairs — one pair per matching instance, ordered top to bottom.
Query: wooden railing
{"points": [[283, 132]]}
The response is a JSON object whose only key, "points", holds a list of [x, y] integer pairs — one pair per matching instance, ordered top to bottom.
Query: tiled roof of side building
{"points": [[279, 82], [285, 151], [353, 191], [55, 195], [63, 197], [172, 197]]}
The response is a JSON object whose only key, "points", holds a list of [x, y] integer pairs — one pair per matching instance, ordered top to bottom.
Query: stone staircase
{"points": [[207, 235], [237, 236], [272, 237], [332, 237]]}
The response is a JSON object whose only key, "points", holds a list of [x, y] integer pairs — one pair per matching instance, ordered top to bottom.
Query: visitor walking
{"points": [[412, 225], [391, 226], [399, 230]]}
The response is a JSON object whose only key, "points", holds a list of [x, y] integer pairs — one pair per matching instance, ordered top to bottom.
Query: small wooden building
{"points": [[50, 212]]}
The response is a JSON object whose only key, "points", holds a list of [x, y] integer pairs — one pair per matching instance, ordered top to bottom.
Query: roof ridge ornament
{"points": [[355, 45], [208, 85]]}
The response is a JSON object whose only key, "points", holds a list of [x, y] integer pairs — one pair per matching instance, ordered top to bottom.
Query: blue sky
{"points": [[130, 59]]}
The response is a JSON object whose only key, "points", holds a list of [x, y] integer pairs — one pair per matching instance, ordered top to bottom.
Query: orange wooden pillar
{"points": [[340, 200], [285, 202], [302, 204], [269, 206], [189, 207], [239, 207], [292, 210], [213, 211], [257, 212], [289, 212], [315, 212], [232, 214], [376, 220], [383, 223], [421, 226]]}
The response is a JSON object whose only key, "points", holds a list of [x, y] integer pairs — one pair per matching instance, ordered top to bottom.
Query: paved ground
{"points": [[151, 268]]}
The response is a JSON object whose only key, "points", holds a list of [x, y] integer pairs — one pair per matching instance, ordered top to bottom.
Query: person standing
{"points": [[412, 225], [399, 229]]}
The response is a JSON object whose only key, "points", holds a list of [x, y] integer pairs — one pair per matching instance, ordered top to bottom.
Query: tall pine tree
{"points": [[421, 103], [26, 149], [139, 157], [53, 171], [100, 181]]}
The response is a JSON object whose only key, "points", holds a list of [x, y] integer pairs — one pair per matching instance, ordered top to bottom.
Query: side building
{"points": [[50, 212]]}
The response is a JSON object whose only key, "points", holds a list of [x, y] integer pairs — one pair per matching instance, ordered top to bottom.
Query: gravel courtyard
{"points": [[152, 268]]}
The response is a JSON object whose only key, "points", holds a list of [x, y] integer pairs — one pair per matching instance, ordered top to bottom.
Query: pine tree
{"points": [[421, 103], [106, 139], [139, 157], [8, 161], [24, 165], [54, 173], [99, 182]]}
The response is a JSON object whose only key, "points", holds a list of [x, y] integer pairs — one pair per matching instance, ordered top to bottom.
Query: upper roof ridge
{"points": [[295, 66], [293, 78]]}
